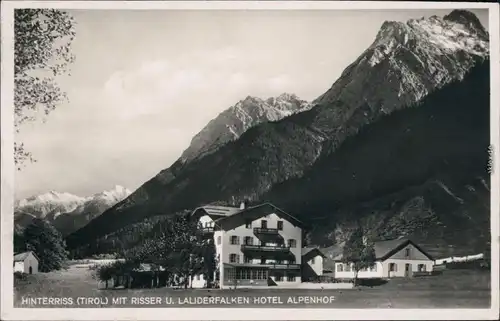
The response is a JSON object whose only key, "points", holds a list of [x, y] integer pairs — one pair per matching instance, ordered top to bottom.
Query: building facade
{"points": [[255, 246], [394, 258], [26, 262], [312, 264]]}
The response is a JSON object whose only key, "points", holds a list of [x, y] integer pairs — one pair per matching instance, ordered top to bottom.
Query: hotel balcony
{"points": [[265, 231], [206, 232], [266, 234], [262, 249], [271, 266], [283, 266]]}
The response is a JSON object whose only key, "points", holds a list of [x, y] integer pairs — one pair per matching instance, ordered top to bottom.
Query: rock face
{"points": [[406, 62], [234, 121], [299, 162], [66, 211]]}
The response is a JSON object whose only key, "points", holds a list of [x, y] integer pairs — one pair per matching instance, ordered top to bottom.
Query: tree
{"points": [[42, 51], [19, 243], [47, 243], [176, 248], [359, 251], [209, 261]]}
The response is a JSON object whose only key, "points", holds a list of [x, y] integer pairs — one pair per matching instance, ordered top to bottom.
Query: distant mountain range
{"points": [[234, 121], [401, 133], [67, 212]]}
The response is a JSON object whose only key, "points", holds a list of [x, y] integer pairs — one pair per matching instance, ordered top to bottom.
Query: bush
{"points": [[106, 272], [20, 276]]}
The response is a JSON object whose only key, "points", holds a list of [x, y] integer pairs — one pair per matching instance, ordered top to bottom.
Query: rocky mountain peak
{"points": [[466, 18], [461, 30], [412, 58], [234, 121], [66, 211]]}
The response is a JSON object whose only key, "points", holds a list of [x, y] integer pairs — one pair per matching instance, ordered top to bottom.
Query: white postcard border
{"points": [[8, 312]]}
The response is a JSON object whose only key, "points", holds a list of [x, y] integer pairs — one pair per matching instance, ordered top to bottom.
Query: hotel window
{"points": [[248, 223], [263, 224], [280, 225], [219, 240], [235, 240], [248, 240], [292, 243], [407, 253], [234, 258], [247, 259], [313, 260], [291, 261], [340, 267], [348, 267], [393, 267], [373, 268], [421, 268], [230, 274], [245, 275], [198, 277], [279, 277], [290, 278]]}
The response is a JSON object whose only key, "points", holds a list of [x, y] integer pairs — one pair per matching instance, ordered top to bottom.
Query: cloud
{"points": [[201, 83], [140, 118]]}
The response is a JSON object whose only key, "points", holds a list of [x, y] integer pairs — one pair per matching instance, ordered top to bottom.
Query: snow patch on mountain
{"points": [[436, 35], [54, 205]]}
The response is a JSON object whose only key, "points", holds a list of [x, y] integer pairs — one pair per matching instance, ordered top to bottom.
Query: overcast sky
{"points": [[145, 82]]}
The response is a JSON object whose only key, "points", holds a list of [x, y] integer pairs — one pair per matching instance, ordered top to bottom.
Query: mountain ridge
{"points": [[231, 123], [271, 153], [64, 209]]}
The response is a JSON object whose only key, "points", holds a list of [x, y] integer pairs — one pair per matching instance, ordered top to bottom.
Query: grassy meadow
{"points": [[452, 289]]}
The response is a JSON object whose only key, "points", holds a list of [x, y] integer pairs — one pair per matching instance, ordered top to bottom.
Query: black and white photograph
{"points": [[236, 160]]}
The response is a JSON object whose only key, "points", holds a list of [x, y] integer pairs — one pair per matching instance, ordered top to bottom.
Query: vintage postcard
{"points": [[281, 160]]}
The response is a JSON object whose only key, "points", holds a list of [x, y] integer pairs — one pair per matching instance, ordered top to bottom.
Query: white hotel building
{"points": [[256, 246]]}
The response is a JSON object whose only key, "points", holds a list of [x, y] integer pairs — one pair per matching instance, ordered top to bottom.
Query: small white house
{"points": [[394, 258], [26, 262], [312, 263], [197, 282]]}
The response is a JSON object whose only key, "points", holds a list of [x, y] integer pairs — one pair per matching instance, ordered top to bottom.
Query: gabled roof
{"points": [[216, 211], [255, 212], [387, 248], [310, 252], [20, 257]]}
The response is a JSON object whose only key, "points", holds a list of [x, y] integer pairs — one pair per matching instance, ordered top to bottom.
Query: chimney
{"points": [[242, 205]]}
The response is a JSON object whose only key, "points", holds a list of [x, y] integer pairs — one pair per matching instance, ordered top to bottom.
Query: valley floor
{"points": [[452, 289]]}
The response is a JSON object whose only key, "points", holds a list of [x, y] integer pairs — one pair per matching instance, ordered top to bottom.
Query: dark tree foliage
{"points": [[42, 48], [168, 241], [47, 243], [19, 244], [209, 261]]}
